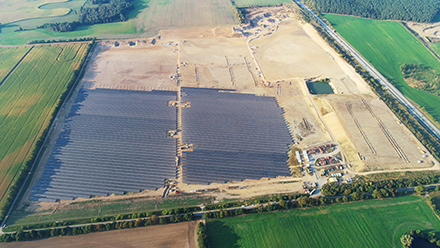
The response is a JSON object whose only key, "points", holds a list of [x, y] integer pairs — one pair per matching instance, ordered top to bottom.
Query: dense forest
{"points": [[408, 10], [106, 11], [113, 12], [60, 26]]}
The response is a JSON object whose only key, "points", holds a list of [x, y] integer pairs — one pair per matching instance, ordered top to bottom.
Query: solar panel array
{"points": [[235, 137], [113, 141]]}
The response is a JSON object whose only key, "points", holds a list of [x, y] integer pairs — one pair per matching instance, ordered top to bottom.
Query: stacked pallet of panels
{"points": [[234, 137], [113, 141]]}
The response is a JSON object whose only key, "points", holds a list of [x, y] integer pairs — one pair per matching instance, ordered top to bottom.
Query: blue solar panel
{"points": [[234, 136], [113, 141]]}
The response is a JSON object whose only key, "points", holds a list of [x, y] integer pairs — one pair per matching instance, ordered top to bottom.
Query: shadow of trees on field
{"points": [[221, 235]]}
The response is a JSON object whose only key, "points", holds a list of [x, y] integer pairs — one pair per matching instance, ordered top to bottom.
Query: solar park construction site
{"points": [[224, 111]]}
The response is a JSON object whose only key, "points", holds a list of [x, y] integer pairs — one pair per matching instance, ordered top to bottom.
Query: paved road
{"points": [[376, 74]]}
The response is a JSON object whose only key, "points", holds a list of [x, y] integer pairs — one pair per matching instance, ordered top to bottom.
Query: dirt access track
{"points": [[274, 57], [182, 235]]}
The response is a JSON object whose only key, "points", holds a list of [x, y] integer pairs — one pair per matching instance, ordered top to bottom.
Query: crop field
{"points": [[252, 3], [181, 13], [388, 45], [436, 47], [9, 57], [29, 96], [374, 223], [182, 235]]}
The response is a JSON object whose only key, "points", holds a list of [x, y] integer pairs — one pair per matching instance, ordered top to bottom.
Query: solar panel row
{"points": [[234, 137], [113, 141]]}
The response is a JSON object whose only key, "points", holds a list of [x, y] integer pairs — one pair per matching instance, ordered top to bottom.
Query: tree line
{"points": [[408, 10], [107, 11], [62, 40], [385, 187], [175, 211], [54, 232], [202, 238], [408, 238]]}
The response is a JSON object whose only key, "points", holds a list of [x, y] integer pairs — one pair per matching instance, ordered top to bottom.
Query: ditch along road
{"points": [[376, 74]]}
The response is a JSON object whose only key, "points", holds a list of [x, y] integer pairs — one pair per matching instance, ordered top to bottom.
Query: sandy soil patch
{"points": [[429, 31], [217, 63], [133, 68], [377, 135], [172, 235]]}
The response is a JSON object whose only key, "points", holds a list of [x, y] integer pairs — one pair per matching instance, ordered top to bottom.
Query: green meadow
{"points": [[372, 223]]}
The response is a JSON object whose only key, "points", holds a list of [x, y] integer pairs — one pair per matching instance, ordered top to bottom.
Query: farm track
{"points": [[68, 60], [13, 69], [250, 71], [231, 72], [359, 127], [387, 133]]}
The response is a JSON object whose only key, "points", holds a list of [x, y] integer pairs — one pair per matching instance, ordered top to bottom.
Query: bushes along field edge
{"points": [[24, 171], [63, 231], [202, 238]]}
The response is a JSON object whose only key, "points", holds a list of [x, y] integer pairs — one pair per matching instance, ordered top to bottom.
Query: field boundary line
{"points": [[15, 67], [43, 146]]}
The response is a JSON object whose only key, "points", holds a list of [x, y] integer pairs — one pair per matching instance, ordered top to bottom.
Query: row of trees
{"points": [[99, 1], [408, 10], [107, 11], [240, 13], [60, 26], [62, 40], [23, 171], [388, 185], [176, 211], [153, 220], [202, 238], [408, 238]]}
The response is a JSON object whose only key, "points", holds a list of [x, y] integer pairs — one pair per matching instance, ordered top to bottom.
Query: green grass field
{"points": [[251, 3], [9, 36], [388, 45], [436, 47], [28, 98], [90, 209], [373, 223]]}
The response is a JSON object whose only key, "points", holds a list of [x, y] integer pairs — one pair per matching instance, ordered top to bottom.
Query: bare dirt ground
{"points": [[430, 31], [272, 58], [137, 67], [182, 235]]}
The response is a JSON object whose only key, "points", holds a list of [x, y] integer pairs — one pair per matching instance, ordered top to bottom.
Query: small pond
{"points": [[319, 88]]}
